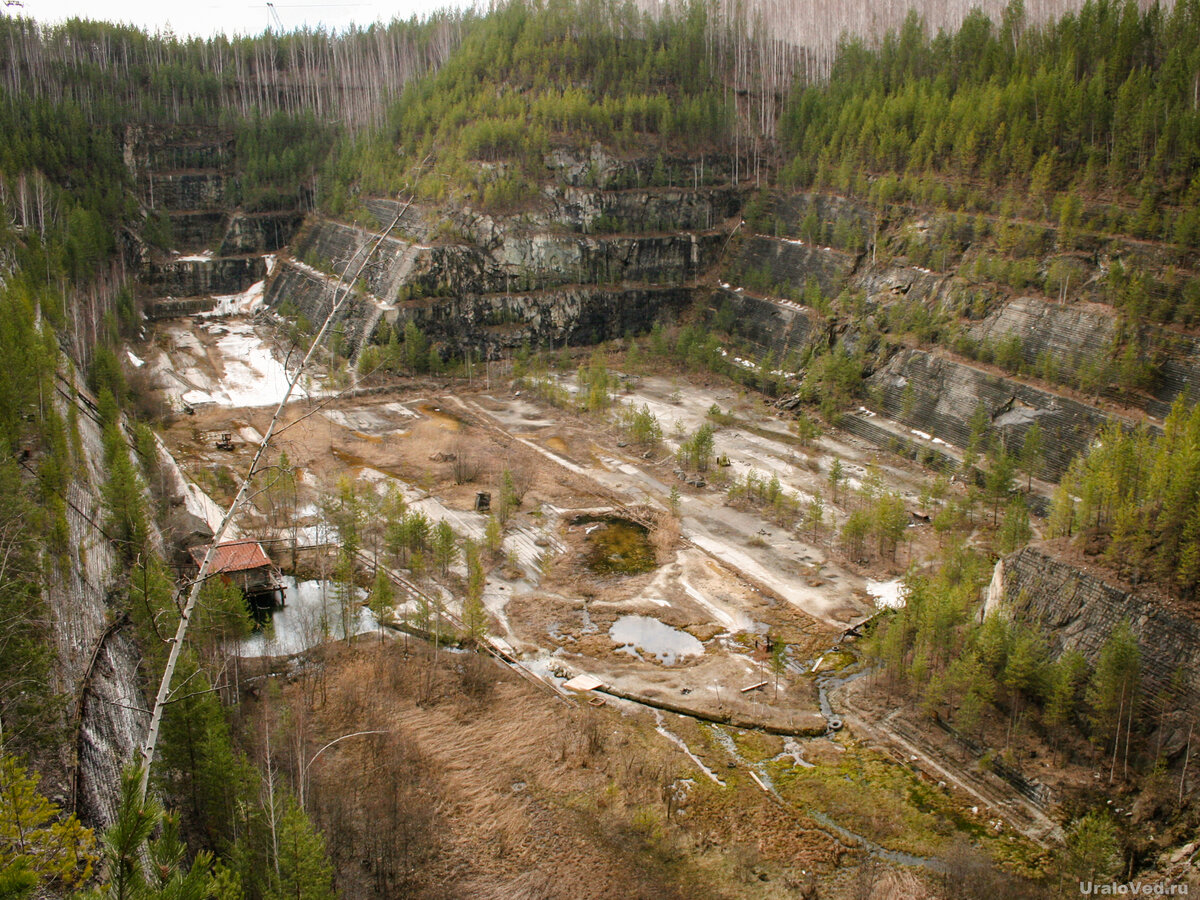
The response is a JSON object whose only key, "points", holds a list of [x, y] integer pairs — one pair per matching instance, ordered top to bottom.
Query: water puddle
{"points": [[440, 417], [312, 616], [664, 643]]}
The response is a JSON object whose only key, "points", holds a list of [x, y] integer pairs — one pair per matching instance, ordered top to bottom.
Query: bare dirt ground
{"points": [[724, 579], [730, 581]]}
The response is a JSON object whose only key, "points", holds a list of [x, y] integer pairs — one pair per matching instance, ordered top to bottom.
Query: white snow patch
{"points": [[197, 257], [242, 304], [136, 360], [253, 376], [197, 398], [202, 506], [888, 594], [733, 622], [678, 742]]}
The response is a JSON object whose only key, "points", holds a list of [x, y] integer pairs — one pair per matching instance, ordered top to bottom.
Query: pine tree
{"points": [[1031, 453], [444, 546], [382, 599], [474, 615], [1113, 691], [37, 845], [1091, 851], [304, 869]]}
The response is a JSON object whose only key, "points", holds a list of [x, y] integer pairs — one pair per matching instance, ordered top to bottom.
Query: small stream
{"points": [[828, 682], [758, 771]]}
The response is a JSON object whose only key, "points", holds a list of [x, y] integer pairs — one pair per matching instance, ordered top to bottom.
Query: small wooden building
{"points": [[247, 565]]}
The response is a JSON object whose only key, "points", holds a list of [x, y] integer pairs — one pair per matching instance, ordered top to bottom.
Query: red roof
{"points": [[234, 556]]}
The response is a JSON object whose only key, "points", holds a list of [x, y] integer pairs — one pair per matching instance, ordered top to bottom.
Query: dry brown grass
{"points": [[664, 536], [485, 786]]}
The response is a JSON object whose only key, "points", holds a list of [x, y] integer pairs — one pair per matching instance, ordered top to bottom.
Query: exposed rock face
{"points": [[179, 149], [600, 169], [188, 173], [186, 190], [673, 209], [196, 229], [259, 232], [792, 262], [877, 262], [218, 275], [473, 279], [887, 284], [310, 293], [578, 316], [776, 325], [1072, 334], [1075, 335], [939, 396], [1076, 610], [96, 658]]}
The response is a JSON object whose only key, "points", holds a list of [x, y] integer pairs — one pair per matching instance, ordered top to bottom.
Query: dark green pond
{"points": [[618, 547]]}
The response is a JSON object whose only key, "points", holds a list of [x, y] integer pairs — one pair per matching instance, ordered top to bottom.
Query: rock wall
{"points": [[178, 148], [597, 168], [187, 172], [186, 190], [664, 209], [196, 230], [258, 232], [328, 246], [538, 260], [791, 262], [218, 275], [501, 279], [888, 283], [296, 290], [173, 308], [577, 316], [776, 325], [1075, 335], [939, 396], [1078, 610], [96, 659]]}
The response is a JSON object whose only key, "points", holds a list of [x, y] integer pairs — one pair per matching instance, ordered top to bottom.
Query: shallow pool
{"points": [[312, 616], [650, 636]]}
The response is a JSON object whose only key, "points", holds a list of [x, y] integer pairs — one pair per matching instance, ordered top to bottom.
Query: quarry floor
{"points": [[690, 634]]}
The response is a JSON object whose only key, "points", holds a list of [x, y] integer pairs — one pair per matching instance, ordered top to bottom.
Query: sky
{"points": [[203, 18]]}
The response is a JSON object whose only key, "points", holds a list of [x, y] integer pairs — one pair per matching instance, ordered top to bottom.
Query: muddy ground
{"points": [[692, 632]]}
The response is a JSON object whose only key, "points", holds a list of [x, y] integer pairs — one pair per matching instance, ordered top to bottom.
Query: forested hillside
{"points": [[537, 78], [1090, 122]]}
